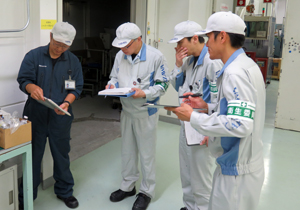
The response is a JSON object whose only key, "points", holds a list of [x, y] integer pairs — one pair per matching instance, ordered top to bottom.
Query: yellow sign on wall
{"points": [[47, 24]]}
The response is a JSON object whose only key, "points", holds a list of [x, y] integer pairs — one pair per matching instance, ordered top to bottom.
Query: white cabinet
{"points": [[9, 189]]}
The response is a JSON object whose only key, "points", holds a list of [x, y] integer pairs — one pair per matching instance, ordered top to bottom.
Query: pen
{"points": [[108, 88], [194, 95]]}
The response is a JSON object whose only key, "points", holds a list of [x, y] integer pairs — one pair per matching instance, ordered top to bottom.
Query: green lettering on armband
{"points": [[163, 84], [213, 87], [241, 110]]}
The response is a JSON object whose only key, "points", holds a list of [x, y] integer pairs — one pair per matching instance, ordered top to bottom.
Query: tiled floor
{"points": [[98, 173]]}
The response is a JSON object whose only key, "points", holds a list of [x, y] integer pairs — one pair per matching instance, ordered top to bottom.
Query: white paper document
{"points": [[117, 92], [52, 105], [193, 137]]}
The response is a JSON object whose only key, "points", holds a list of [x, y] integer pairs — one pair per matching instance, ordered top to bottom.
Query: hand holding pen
{"points": [[110, 86], [192, 95], [195, 102]]}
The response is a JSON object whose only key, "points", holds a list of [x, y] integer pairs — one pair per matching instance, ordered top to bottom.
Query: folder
{"points": [[117, 92], [193, 137]]}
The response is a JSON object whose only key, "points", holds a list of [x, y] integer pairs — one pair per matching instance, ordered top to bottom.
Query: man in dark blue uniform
{"points": [[53, 72]]}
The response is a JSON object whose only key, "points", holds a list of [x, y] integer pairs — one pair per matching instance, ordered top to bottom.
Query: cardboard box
{"points": [[277, 63], [20, 136]]}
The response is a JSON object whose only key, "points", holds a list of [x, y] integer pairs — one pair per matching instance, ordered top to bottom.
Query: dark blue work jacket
{"points": [[37, 68]]}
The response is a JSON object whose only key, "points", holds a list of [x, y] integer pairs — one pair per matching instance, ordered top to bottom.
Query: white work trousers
{"points": [[138, 141], [196, 171], [236, 192]]}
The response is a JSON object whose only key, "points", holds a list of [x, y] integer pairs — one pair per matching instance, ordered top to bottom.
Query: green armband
{"points": [[163, 84], [213, 87], [241, 110]]}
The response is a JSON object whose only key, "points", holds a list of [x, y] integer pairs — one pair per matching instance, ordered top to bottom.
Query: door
{"points": [[162, 16]]}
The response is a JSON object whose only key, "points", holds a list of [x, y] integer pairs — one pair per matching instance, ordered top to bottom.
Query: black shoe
{"points": [[120, 195], [70, 202], [142, 202], [184, 208]]}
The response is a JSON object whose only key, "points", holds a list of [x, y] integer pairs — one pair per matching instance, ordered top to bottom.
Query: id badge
{"points": [[70, 84]]}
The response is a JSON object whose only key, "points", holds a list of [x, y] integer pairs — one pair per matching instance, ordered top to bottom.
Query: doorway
{"points": [[95, 21]]}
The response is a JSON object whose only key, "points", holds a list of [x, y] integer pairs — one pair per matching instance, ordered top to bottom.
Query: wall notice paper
{"points": [[47, 24], [117, 92], [52, 105], [165, 105], [193, 137]]}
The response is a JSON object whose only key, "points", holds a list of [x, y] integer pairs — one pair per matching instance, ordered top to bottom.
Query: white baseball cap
{"points": [[224, 21], [185, 29], [63, 32], [125, 33]]}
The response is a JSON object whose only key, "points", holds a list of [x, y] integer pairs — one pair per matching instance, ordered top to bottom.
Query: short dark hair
{"points": [[200, 39], [236, 40]]}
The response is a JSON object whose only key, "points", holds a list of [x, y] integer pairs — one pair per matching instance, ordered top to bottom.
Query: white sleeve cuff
{"points": [[177, 69], [148, 94], [194, 120]]}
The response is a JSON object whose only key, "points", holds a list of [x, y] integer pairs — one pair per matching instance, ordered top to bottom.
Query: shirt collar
{"points": [[201, 57], [229, 61]]}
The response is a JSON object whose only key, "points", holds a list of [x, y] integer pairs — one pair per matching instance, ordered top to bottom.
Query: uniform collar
{"points": [[141, 54], [201, 57], [229, 61]]}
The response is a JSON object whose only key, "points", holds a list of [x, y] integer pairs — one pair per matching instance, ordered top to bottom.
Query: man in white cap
{"points": [[142, 68], [54, 72], [197, 75], [236, 122]]}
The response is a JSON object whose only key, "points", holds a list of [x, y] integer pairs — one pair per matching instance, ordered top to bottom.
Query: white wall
{"points": [[222, 5], [141, 7], [48, 11], [199, 11], [280, 11], [162, 16], [287, 112]]}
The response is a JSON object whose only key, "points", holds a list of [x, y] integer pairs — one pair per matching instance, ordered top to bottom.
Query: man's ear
{"points": [[223, 36], [195, 39]]}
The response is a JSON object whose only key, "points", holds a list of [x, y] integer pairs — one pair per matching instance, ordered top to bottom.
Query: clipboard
{"points": [[117, 92], [52, 105]]}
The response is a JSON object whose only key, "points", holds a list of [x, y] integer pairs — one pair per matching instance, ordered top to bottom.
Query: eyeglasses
{"points": [[56, 44], [130, 44]]}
